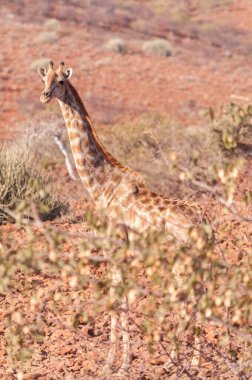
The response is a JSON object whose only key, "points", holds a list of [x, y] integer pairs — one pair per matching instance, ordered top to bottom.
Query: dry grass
{"points": [[52, 24], [49, 37], [116, 45], [159, 47], [42, 62], [155, 146], [22, 182]]}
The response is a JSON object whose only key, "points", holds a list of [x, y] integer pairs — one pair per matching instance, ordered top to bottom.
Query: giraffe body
{"points": [[113, 187]]}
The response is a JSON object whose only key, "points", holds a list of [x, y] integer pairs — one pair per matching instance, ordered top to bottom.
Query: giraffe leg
{"points": [[116, 278], [114, 319], [113, 341], [197, 343], [196, 353], [126, 354], [174, 356], [196, 357]]}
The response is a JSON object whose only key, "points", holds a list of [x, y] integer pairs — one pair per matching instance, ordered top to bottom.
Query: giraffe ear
{"points": [[42, 71], [69, 73]]}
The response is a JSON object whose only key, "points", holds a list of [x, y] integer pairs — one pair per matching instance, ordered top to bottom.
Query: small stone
{"points": [[66, 350], [159, 360], [70, 362], [33, 376]]}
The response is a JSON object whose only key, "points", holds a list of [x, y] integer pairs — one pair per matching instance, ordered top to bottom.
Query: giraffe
{"points": [[115, 188]]}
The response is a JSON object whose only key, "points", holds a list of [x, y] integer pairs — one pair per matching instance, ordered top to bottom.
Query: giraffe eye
{"points": [[61, 82]]}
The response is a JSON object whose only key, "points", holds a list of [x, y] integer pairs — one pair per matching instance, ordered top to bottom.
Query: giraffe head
{"points": [[55, 81]]}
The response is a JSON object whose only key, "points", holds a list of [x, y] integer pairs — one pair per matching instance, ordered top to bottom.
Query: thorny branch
{"points": [[203, 186], [220, 199]]}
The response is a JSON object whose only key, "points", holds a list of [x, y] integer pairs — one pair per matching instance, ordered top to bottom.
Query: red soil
{"points": [[210, 65]]}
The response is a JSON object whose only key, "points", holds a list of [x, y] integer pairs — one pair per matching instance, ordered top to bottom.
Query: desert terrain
{"points": [[143, 98]]}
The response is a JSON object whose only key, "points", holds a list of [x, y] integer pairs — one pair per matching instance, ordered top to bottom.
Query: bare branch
{"points": [[67, 159], [220, 199], [246, 336]]}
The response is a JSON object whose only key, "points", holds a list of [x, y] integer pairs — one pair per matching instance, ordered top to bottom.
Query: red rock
{"points": [[66, 350], [69, 362], [33, 376]]}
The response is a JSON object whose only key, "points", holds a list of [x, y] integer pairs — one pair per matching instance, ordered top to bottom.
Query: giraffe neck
{"points": [[98, 170]]}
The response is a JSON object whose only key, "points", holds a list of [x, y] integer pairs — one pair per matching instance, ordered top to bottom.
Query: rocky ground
{"points": [[210, 64]]}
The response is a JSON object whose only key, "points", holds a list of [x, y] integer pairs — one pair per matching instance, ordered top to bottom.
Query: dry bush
{"points": [[51, 24], [49, 34], [49, 37], [116, 45], [159, 46], [40, 62], [234, 126], [40, 137], [157, 147], [160, 148], [22, 180]]}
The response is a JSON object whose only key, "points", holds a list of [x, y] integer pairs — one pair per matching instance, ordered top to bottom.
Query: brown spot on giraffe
{"points": [[73, 135], [75, 149], [79, 162], [82, 171], [144, 192], [144, 200], [162, 208]]}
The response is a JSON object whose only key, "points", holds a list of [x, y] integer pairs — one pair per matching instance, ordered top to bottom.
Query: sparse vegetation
{"points": [[181, 12], [51, 24], [49, 34], [49, 37], [116, 45], [159, 46], [40, 62], [234, 126], [164, 144], [21, 184], [54, 285], [157, 325]]}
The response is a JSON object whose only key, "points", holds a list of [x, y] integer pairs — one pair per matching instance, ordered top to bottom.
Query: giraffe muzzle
{"points": [[46, 96]]}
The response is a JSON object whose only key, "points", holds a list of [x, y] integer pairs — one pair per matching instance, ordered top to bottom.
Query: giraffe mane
{"points": [[112, 159]]}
